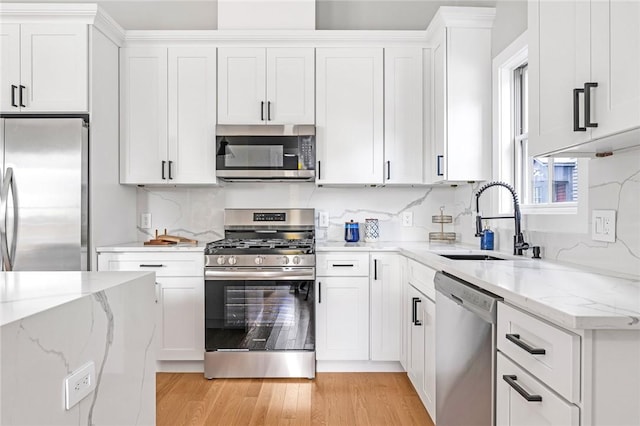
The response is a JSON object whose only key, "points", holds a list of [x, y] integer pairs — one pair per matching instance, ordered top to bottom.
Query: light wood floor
{"points": [[333, 399]]}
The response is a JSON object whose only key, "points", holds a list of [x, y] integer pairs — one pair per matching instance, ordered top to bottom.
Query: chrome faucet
{"points": [[519, 244]]}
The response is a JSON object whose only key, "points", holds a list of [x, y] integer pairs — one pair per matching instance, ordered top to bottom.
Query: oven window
{"points": [[262, 156], [259, 315]]}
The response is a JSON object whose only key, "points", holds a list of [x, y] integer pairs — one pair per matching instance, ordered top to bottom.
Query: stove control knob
{"points": [[220, 260], [233, 260], [259, 260], [285, 260], [296, 260]]}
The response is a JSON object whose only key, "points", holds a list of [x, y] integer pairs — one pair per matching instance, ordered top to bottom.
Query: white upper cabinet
{"points": [[44, 67], [584, 69], [266, 85], [461, 91], [168, 115], [349, 115], [403, 142]]}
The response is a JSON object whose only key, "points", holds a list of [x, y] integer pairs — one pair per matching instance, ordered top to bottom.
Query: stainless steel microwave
{"points": [[265, 152]]}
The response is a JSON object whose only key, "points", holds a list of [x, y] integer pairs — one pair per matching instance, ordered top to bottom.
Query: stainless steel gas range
{"points": [[259, 295]]}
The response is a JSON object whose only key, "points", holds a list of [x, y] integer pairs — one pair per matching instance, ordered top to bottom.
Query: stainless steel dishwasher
{"points": [[465, 353]]}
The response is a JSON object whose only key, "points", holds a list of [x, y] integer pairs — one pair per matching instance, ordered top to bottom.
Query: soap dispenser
{"points": [[486, 241]]}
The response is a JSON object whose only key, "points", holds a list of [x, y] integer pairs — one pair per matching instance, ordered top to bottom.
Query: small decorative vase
{"points": [[371, 230]]}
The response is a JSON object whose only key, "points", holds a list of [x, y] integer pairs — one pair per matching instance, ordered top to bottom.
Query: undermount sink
{"points": [[471, 257]]}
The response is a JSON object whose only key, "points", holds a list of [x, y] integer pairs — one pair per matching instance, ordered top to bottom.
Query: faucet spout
{"points": [[519, 244]]}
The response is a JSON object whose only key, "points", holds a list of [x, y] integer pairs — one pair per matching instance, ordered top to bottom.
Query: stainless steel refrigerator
{"points": [[44, 193]]}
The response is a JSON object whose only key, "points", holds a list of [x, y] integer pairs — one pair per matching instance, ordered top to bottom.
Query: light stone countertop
{"points": [[23, 294], [571, 296]]}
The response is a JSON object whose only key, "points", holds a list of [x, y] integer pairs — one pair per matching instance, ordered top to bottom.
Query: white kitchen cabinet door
{"points": [[559, 61], [615, 66], [9, 67], [54, 67], [241, 85], [290, 85], [461, 108], [143, 115], [192, 115], [349, 115], [403, 143], [386, 307], [405, 315], [180, 318], [342, 318], [416, 336], [429, 382], [512, 409]]}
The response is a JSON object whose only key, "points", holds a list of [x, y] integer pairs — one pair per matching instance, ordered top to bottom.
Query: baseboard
{"points": [[180, 367], [359, 367]]}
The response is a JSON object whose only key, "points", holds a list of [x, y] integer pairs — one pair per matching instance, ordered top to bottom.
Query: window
{"points": [[541, 181]]}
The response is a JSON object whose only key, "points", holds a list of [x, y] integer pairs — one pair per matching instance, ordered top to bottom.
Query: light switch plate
{"points": [[603, 225]]}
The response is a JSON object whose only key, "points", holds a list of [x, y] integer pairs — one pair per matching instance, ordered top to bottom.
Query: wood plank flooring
{"points": [[333, 399]]}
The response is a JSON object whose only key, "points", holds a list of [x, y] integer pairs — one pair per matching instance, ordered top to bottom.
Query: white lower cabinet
{"points": [[179, 296], [386, 302], [342, 318], [421, 355], [523, 401]]}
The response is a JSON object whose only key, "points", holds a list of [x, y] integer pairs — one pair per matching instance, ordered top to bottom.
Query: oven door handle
{"points": [[247, 274]]}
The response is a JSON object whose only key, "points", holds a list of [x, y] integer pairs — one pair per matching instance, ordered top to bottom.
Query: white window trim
{"points": [[504, 64]]}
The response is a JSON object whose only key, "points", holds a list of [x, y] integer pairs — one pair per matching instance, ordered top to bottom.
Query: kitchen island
{"points": [[53, 323]]}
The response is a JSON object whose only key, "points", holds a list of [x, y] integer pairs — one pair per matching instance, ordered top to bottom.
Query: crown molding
{"points": [[20, 13], [461, 17], [109, 27], [267, 38]]}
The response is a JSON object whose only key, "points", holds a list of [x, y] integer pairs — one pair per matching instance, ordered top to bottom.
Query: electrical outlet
{"points": [[407, 218], [323, 219], [145, 221], [603, 225], [79, 384]]}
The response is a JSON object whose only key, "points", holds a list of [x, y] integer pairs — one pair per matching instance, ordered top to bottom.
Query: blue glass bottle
{"points": [[486, 241]]}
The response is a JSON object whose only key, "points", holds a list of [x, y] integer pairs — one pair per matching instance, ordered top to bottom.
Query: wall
{"points": [[510, 22], [613, 184], [199, 212]]}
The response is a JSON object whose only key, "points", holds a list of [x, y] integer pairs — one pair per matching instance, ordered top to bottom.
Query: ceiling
{"points": [[330, 14]]}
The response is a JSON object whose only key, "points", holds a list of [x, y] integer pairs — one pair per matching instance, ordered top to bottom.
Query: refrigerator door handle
{"points": [[8, 254]]}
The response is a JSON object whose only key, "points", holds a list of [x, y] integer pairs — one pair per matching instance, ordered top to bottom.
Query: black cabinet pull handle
{"points": [[21, 94], [13, 95], [587, 104], [269, 110], [262, 111], [576, 111], [439, 159], [170, 163], [163, 164], [319, 170], [388, 170], [149, 265], [342, 265], [375, 269], [319, 291], [416, 300], [515, 339], [511, 380]]}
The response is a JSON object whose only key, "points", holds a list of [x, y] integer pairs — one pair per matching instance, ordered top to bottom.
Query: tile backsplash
{"points": [[614, 183], [199, 212]]}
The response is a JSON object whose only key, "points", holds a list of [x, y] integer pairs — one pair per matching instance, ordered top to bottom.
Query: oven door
{"points": [[262, 310]]}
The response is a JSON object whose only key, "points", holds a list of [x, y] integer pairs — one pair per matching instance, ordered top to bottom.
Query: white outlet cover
{"points": [[407, 218], [323, 219], [145, 221], [603, 225], [79, 384]]}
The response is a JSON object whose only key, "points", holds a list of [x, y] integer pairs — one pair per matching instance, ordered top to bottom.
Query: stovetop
{"points": [[271, 246]]}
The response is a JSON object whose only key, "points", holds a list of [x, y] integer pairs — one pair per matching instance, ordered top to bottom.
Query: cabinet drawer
{"points": [[163, 264], [342, 264], [421, 277], [557, 364], [512, 408]]}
